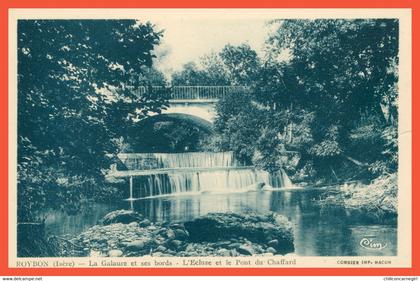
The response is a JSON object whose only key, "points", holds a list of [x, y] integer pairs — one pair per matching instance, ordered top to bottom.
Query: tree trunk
{"points": [[358, 163]]}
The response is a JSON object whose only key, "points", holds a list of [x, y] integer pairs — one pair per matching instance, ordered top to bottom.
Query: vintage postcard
{"points": [[187, 138]]}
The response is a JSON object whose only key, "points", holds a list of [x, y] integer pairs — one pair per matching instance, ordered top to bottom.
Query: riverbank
{"points": [[379, 198], [127, 233]]}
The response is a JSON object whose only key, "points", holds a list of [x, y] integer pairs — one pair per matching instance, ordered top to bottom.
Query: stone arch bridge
{"points": [[197, 101]]}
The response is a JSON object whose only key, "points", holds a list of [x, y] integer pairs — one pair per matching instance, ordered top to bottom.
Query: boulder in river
{"points": [[122, 216], [144, 223], [254, 227], [137, 245], [245, 250], [115, 253]]}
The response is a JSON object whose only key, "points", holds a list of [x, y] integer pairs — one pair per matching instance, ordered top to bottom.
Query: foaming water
{"points": [[144, 161], [226, 174], [208, 181]]}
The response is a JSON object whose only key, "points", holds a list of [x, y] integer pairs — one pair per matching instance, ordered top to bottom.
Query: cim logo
{"points": [[370, 244]]}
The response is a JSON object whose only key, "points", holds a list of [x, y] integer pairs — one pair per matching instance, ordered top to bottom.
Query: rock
{"points": [[122, 216], [145, 223], [133, 224], [176, 226], [152, 228], [256, 228], [162, 231], [170, 234], [180, 234], [215, 234], [99, 240], [160, 240], [149, 242], [273, 243], [175, 244], [222, 244], [137, 245], [234, 245], [160, 248], [189, 248], [245, 250], [271, 250], [170, 252], [223, 252], [94, 253], [115, 253], [234, 253], [268, 254]]}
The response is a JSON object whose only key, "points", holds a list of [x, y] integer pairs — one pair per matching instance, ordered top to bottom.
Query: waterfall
{"points": [[145, 161], [215, 172], [285, 179]]}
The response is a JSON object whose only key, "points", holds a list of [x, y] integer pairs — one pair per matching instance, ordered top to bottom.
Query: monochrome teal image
{"points": [[189, 137]]}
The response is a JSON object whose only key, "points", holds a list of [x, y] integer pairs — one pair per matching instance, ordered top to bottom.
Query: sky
{"points": [[188, 37]]}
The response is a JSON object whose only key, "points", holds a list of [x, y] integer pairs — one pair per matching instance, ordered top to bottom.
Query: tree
{"points": [[242, 63], [345, 63], [233, 65], [215, 70], [209, 72], [345, 72], [190, 75], [72, 76], [150, 76], [332, 99]]}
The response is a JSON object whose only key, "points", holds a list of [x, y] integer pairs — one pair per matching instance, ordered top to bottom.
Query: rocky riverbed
{"points": [[127, 233]]}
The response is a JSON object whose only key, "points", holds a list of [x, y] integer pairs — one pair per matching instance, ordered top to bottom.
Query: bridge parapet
{"points": [[202, 93], [197, 101]]}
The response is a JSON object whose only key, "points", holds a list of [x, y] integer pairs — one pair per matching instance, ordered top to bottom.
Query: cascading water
{"points": [[144, 161], [214, 172]]}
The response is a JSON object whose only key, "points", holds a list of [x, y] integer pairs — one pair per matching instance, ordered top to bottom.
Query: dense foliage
{"points": [[233, 65], [325, 91], [74, 98], [333, 99]]}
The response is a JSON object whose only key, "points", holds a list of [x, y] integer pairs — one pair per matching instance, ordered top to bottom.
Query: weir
{"points": [[145, 161], [157, 174]]}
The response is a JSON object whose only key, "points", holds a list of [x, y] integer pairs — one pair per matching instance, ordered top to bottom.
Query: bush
{"points": [[380, 197]]}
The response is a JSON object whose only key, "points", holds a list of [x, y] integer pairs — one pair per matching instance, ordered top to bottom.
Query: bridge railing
{"points": [[196, 92], [204, 92]]}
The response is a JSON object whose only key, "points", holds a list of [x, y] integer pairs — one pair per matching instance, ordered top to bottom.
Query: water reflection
{"points": [[318, 232]]}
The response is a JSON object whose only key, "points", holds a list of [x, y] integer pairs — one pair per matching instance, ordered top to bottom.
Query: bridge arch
{"points": [[197, 101], [204, 110], [192, 119], [170, 133]]}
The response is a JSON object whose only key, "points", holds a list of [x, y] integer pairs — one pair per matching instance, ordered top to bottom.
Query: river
{"points": [[194, 184], [317, 231]]}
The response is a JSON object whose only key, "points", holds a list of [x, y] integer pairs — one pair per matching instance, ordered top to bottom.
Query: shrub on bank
{"points": [[380, 196]]}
